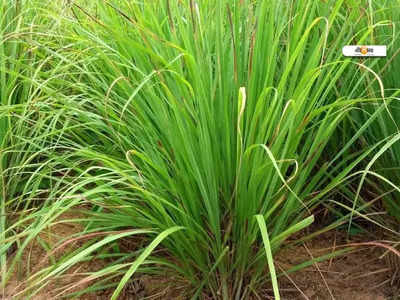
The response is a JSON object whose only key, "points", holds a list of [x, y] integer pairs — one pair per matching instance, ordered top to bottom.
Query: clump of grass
{"points": [[374, 23], [379, 27], [13, 95], [182, 121], [27, 133]]}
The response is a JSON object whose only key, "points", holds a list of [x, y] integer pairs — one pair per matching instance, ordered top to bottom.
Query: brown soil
{"points": [[36, 257], [358, 275]]}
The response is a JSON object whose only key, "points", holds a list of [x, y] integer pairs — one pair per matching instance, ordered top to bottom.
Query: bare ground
{"points": [[358, 275]]}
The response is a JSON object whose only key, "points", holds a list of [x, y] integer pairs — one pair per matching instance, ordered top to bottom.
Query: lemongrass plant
{"points": [[379, 26], [13, 93], [183, 121], [27, 135], [388, 163]]}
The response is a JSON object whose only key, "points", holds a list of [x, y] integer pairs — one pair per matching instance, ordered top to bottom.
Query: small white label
{"points": [[364, 51]]}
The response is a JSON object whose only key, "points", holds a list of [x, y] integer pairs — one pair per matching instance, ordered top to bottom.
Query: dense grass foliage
{"points": [[376, 23], [388, 123], [19, 125], [204, 128]]}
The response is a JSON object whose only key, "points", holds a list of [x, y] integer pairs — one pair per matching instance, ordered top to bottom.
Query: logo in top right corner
{"points": [[364, 51]]}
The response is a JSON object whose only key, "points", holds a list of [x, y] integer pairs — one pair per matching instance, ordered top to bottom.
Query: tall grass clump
{"points": [[376, 23], [13, 93], [200, 126], [28, 132], [388, 163]]}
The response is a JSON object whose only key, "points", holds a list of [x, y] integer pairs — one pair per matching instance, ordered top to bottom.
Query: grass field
{"points": [[194, 146]]}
